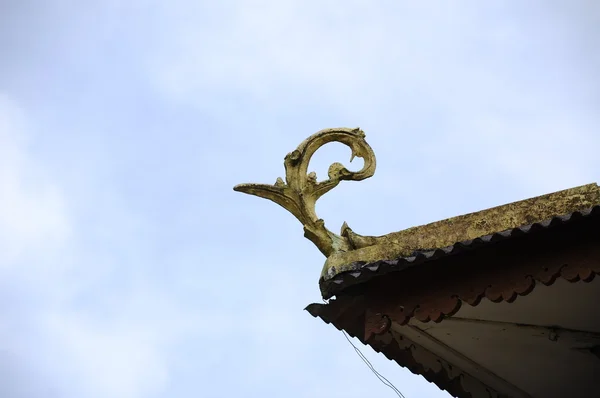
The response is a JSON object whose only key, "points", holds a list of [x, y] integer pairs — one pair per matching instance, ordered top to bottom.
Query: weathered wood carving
{"points": [[301, 190]]}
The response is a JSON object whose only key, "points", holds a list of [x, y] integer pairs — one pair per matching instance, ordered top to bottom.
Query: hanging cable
{"points": [[381, 378]]}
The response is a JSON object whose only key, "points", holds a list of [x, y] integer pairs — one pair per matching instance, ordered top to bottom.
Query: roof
{"points": [[396, 251], [350, 255], [360, 271], [530, 329], [541, 345]]}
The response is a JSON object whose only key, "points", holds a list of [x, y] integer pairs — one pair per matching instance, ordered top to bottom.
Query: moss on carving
{"points": [[300, 192], [465, 227]]}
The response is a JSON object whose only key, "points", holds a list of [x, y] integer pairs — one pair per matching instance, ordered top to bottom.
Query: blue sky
{"points": [[128, 266]]}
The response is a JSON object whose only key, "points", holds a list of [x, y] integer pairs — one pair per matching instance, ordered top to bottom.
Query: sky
{"points": [[129, 268]]}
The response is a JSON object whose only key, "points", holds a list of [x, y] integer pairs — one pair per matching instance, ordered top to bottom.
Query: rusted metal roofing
{"points": [[361, 272]]}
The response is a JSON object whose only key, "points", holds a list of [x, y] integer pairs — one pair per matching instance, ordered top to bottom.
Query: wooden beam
{"points": [[458, 360]]}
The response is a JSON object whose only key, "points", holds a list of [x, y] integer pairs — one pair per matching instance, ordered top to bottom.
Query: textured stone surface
{"points": [[457, 229]]}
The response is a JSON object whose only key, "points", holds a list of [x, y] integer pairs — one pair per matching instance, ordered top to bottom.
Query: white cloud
{"points": [[261, 48], [500, 89], [456, 95], [33, 217], [34, 230], [64, 323], [110, 357]]}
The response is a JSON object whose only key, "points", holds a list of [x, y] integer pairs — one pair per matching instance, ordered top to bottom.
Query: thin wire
{"points": [[381, 378]]}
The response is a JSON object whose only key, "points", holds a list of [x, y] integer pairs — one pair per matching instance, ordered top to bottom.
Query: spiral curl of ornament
{"points": [[301, 190]]}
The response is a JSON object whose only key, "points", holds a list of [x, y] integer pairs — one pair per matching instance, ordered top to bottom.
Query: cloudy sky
{"points": [[128, 266]]}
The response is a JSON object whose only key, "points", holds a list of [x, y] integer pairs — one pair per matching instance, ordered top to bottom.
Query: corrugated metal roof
{"points": [[362, 271]]}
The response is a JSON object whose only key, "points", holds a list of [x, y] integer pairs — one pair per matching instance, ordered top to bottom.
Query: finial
{"points": [[300, 191]]}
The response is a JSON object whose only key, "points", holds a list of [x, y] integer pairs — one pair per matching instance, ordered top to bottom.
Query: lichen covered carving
{"points": [[301, 190]]}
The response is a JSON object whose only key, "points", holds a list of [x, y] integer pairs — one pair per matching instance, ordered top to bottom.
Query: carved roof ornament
{"points": [[301, 190], [350, 253], [425, 274]]}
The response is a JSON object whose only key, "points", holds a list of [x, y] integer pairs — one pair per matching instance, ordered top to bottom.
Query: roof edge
{"points": [[445, 233]]}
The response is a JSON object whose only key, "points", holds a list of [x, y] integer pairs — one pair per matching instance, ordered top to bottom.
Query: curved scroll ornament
{"points": [[300, 191]]}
